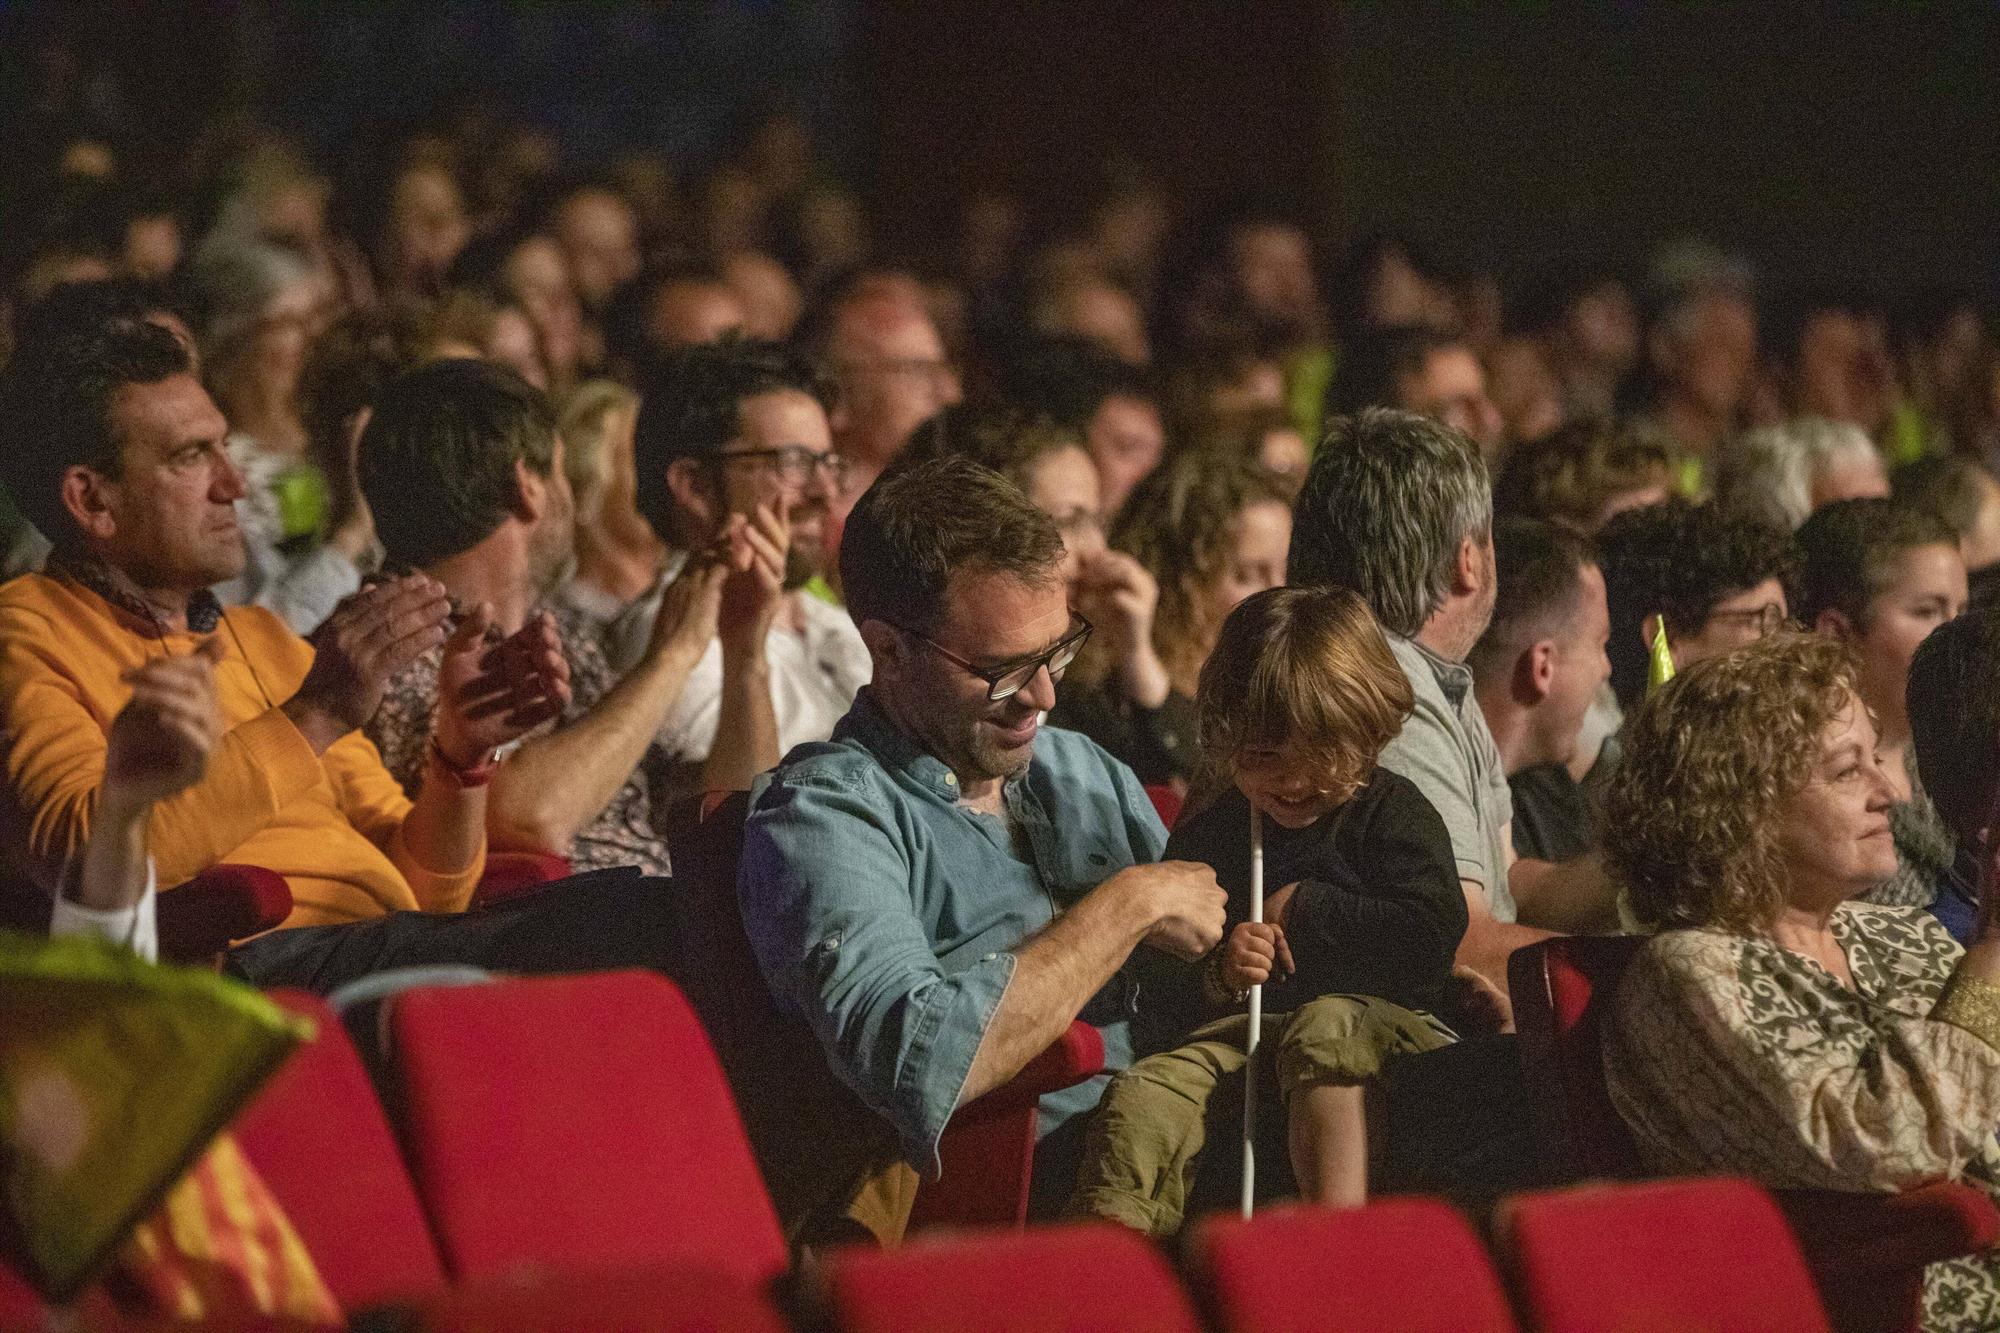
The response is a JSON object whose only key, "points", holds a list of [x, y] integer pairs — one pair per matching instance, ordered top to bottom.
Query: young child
{"points": [[1355, 953]]}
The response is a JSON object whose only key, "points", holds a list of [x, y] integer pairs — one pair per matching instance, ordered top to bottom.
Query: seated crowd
{"points": [[377, 559]]}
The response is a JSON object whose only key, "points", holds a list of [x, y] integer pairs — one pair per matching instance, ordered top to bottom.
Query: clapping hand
{"points": [[490, 695], [160, 741]]}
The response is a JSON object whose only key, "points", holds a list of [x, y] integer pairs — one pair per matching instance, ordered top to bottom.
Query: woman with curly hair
{"points": [[1212, 530], [1777, 1027]]}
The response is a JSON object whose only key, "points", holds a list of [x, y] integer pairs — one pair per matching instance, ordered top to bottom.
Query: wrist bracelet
{"points": [[474, 775]]}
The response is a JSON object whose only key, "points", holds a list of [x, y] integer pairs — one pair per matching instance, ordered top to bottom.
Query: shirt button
{"points": [[951, 779], [989, 957]]}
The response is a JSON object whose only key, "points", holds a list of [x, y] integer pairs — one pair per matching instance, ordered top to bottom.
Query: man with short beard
{"points": [[736, 433], [462, 468], [943, 888]]}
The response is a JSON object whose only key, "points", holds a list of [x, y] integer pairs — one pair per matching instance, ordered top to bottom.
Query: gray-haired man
{"points": [[1399, 508]]}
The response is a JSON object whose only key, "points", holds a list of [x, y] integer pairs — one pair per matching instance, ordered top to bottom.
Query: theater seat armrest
{"points": [[512, 874], [223, 904], [1073, 1057], [1890, 1233]]}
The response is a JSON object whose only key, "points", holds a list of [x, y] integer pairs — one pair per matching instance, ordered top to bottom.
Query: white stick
{"points": [[1256, 1020]]}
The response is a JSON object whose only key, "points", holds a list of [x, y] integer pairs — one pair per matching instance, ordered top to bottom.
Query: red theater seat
{"points": [[1166, 802], [515, 874], [197, 920], [778, 1071], [577, 1122], [317, 1136], [1867, 1252], [1713, 1255], [1413, 1265], [1093, 1277], [673, 1300]]}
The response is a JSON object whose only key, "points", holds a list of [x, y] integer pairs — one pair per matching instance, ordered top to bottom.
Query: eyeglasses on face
{"points": [[795, 464], [1766, 619], [1010, 678]]}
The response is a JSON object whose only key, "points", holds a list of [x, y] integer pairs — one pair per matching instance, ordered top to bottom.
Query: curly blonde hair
{"points": [[1307, 668], [1692, 815]]}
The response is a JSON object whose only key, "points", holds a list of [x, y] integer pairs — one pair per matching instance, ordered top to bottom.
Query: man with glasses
{"points": [[889, 361], [737, 433], [1716, 581], [944, 887]]}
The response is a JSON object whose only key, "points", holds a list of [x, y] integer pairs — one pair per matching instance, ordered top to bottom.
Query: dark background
{"points": [[1851, 143]]}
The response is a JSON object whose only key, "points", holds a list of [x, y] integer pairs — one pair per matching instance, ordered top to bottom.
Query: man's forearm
{"points": [[746, 732], [555, 785], [446, 827], [113, 872], [1569, 897], [1489, 943], [1055, 973]]}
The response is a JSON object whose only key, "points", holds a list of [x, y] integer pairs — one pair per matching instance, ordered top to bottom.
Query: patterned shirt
{"points": [[621, 835], [1728, 1053]]}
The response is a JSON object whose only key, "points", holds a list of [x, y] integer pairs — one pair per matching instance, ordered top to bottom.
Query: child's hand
{"points": [[1252, 952], [1482, 1005]]}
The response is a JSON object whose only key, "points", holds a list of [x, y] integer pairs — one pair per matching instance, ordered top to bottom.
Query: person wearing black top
{"points": [[1362, 920]]}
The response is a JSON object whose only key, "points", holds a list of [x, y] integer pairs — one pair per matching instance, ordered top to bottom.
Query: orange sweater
{"points": [[331, 824]]}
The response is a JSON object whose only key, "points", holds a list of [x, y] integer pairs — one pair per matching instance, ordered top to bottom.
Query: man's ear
{"points": [[692, 487], [531, 493], [84, 495], [1465, 566], [1834, 623], [886, 648], [1535, 671]]}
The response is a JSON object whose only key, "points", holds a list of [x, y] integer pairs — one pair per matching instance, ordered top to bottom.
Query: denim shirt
{"points": [[882, 911]]}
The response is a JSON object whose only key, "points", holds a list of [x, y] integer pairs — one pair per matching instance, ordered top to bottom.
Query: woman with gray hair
{"points": [[264, 305], [1780, 475]]}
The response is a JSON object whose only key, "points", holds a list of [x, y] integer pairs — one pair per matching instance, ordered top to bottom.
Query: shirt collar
{"points": [[90, 571], [1454, 678], [868, 725]]}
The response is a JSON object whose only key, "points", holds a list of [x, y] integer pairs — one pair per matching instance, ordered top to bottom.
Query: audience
{"points": [[1426, 371], [1105, 400], [733, 445], [463, 469], [554, 470], [1780, 475], [1583, 476], [1397, 508], [1213, 531], [617, 551], [1880, 577], [1709, 582], [1536, 671], [1953, 703], [941, 889], [1356, 949], [1776, 1027]]}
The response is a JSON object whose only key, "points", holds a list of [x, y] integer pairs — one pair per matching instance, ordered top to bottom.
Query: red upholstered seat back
{"points": [[1166, 802], [1561, 990], [577, 1121], [317, 1136], [1712, 1254], [1408, 1264], [1094, 1277], [645, 1300]]}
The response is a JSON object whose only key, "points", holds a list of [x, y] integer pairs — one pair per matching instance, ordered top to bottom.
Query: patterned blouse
{"points": [[621, 835], [1728, 1053]]}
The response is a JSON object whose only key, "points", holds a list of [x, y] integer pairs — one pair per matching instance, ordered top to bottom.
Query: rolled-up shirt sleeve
{"points": [[826, 895]]}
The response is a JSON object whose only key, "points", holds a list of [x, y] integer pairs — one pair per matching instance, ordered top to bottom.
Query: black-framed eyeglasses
{"points": [[795, 464], [1009, 679]]}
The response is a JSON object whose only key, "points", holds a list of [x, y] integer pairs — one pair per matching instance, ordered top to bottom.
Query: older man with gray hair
{"points": [[1782, 475], [1398, 508]]}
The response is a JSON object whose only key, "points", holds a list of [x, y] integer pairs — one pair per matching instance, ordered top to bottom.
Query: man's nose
{"points": [[228, 480], [1041, 691]]}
